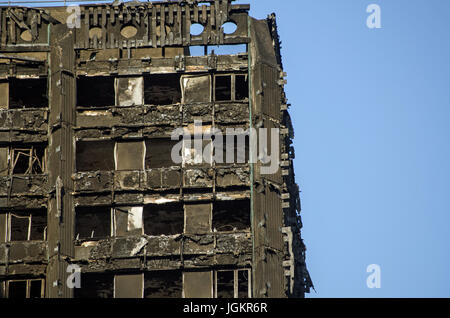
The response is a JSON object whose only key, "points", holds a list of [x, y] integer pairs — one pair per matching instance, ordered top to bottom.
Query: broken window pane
{"points": [[241, 87], [223, 88], [162, 89], [196, 89], [95, 91], [129, 91], [35, 96], [159, 153], [95, 155], [130, 155], [28, 159], [231, 215], [198, 218], [163, 219], [121, 221], [128, 221], [92, 222], [30, 225], [243, 283], [163, 284], [198, 284], [225, 284], [95, 286], [128, 286]]}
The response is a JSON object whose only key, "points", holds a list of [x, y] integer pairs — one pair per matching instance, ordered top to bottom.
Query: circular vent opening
{"points": [[229, 27], [197, 29], [97, 32], [128, 32], [26, 35]]}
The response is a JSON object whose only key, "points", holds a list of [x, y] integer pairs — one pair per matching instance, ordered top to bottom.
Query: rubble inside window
{"points": [[162, 89], [231, 215], [163, 219]]}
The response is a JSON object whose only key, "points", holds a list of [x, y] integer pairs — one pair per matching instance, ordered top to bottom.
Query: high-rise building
{"points": [[114, 119]]}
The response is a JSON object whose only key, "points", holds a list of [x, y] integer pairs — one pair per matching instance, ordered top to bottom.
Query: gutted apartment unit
{"points": [[89, 189]]}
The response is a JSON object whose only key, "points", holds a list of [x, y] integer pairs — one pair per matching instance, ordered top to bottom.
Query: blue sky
{"points": [[371, 110]]}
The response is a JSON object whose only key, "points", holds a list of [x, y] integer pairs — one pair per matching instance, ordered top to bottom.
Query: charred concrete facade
{"points": [[86, 176]]}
